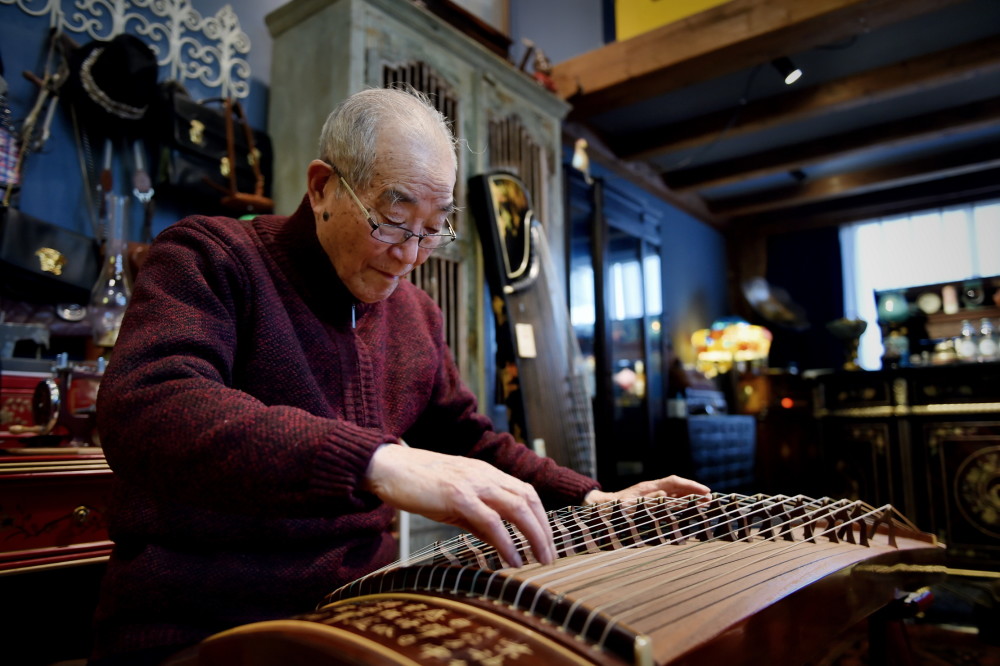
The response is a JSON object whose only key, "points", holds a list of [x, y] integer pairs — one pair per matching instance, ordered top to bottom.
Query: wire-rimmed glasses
{"points": [[394, 234]]}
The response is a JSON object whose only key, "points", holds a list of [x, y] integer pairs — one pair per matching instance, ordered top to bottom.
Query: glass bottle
{"points": [[113, 288], [987, 341], [966, 347], [897, 349]]}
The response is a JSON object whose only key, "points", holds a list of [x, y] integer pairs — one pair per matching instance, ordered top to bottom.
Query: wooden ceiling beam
{"points": [[726, 38], [878, 85], [897, 134], [978, 158], [963, 189]]}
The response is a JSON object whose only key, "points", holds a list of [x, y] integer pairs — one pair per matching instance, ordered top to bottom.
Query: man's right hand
{"points": [[467, 493]]}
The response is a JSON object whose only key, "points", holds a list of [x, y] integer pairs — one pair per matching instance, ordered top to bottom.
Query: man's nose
{"points": [[408, 250]]}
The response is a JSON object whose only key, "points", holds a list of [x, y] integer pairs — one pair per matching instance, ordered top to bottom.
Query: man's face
{"points": [[412, 186]]}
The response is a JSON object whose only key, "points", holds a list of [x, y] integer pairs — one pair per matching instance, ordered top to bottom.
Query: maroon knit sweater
{"points": [[239, 413]]}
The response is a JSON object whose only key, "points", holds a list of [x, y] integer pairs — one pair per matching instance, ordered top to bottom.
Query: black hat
{"points": [[112, 84]]}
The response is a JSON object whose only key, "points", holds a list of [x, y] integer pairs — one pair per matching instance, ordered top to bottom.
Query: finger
{"points": [[673, 486], [682, 486], [517, 503], [527, 514], [543, 520], [487, 524]]}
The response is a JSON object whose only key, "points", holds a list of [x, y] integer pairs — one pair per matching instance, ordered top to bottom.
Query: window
{"points": [[911, 250], [626, 302]]}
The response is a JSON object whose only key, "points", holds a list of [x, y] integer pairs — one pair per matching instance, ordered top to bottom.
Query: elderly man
{"points": [[265, 378]]}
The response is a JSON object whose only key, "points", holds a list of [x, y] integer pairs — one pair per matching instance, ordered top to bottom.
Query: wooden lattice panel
{"points": [[441, 275]]}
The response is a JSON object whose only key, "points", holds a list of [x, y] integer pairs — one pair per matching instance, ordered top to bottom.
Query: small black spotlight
{"points": [[787, 69]]}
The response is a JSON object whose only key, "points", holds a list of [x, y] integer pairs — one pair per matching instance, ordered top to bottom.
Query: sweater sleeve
{"points": [[172, 416], [452, 424]]}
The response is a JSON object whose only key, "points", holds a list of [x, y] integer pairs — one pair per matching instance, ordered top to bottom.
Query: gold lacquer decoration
{"points": [[196, 132], [224, 166], [50, 260], [876, 435], [976, 484], [432, 630]]}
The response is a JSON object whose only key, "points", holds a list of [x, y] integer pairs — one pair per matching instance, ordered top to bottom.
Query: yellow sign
{"points": [[634, 17]]}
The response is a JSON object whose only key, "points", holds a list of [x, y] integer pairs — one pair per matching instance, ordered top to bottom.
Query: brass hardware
{"points": [[196, 132], [253, 157], [224, 166], [50, 260], [899, 392], [957, 408], [867, 412], [18, 429], [873, 435], [82, 515], [924, 569]]}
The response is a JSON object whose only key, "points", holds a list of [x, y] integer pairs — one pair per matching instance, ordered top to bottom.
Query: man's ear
{"points": [[320, 177]]}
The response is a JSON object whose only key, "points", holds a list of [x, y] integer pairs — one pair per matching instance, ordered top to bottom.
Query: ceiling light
{"points": [[787, 69]]}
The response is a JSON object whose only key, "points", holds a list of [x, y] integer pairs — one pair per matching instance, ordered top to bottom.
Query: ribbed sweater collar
{"points": [[294, 246]]}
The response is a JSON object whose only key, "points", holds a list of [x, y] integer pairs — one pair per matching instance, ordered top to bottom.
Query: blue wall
{"points": [[562, 29], [52, 182], [694, 262]]}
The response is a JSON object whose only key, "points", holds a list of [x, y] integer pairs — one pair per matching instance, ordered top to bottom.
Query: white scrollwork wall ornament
{"points": [[50, 7], [224, 29], [191, 47]]}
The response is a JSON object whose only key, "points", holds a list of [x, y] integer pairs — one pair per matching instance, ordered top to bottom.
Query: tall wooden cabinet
{"points": [[325, 50]]}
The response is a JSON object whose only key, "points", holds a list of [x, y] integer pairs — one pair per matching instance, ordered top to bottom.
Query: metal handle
{"points": [[82, 515]]}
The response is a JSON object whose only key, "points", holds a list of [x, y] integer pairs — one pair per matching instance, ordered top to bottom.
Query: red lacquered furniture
{"points": [[52, 507]]}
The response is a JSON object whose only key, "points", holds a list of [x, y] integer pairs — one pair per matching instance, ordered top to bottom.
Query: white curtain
{"points": [[930, 247]]}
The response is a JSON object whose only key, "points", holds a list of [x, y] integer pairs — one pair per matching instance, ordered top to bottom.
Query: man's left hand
{"points": [[668, 486]]}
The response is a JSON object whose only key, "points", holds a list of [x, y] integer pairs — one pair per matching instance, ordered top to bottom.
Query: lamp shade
{"points": [[730, 341]]}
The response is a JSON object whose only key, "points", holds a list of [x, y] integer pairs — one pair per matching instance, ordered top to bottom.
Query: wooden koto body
{"points": [[732, 579]]}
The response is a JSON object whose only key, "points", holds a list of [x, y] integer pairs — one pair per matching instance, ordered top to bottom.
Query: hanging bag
{"points": [[210, 159], [235, 199], [45, 263]]}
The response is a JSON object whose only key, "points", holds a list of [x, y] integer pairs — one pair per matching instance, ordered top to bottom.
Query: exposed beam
{"points": [[718, 41], [878, 85], [898, 134], [978, 158], [950, 191]]}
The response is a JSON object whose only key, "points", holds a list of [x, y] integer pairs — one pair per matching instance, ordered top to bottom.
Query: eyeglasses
{"points": [[394, 234]]}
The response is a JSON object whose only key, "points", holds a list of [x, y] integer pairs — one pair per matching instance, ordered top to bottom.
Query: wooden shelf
{"points": [[941, 325]]}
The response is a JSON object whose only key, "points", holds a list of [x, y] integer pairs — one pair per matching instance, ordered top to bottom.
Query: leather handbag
{"points": [[210, 159], [45, 263]]}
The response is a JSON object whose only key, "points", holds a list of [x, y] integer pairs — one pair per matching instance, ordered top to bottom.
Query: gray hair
{"points": [[350, 134]]}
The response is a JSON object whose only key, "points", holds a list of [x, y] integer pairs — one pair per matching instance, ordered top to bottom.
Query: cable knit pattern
{"points": [[239, 412]]}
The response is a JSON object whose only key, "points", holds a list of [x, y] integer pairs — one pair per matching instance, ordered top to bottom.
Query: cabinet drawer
{"points": [[52, 511]]}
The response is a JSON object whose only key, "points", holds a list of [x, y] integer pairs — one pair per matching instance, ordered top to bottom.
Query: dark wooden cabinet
{"points": [[924, 439]]}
